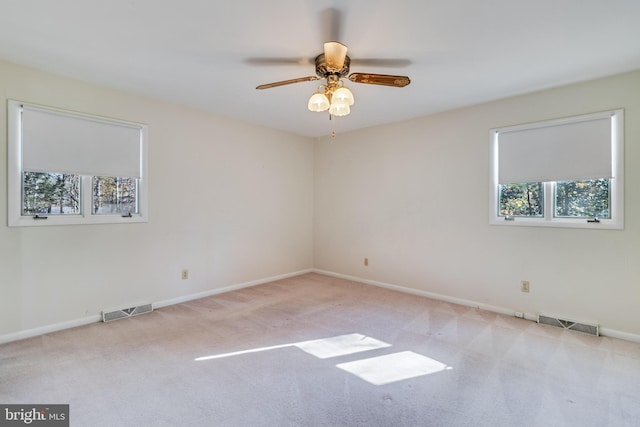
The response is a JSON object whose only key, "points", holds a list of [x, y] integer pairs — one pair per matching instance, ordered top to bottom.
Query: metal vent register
{"points": [[126, 312], [587, 328]]}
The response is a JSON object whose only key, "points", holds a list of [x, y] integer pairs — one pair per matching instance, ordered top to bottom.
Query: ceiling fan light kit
{"points": [[333, 65], [333, 96]]}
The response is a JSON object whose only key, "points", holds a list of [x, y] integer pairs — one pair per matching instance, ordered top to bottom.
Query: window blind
{"points": [[56, 141], [564, 151]]}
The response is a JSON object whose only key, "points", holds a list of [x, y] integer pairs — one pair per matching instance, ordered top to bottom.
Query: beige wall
{"points": [[413, 198], [231, 202], [236, 203]]}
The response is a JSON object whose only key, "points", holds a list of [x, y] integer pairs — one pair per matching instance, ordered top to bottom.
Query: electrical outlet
{"points": [[366, 262], [185, 274], [524, 286]]}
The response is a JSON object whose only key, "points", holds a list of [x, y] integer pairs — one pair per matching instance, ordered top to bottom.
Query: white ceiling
{"points": [[199, 52]]}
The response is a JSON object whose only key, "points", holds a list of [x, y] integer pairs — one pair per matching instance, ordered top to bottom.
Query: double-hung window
{"points": [[72, 168], [559, 173]]}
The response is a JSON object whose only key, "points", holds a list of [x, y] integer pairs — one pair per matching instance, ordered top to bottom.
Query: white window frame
{"points": [[14, 179], [616, 186]]}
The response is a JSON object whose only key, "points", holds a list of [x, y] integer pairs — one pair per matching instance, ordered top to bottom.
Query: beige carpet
{"points": [[320, 351]]}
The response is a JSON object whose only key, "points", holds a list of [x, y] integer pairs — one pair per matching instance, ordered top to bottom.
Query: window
{"points": [[72, 168], [559, 173]]}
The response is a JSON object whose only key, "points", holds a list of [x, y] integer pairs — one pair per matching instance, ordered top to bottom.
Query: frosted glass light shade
{"points": [[343, 95], [318, 102], [339, 109]]}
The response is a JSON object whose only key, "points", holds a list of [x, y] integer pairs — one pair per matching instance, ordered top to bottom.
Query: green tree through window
{"points": [[50, 193], [112, 195], [522, 199], [582, 199]]}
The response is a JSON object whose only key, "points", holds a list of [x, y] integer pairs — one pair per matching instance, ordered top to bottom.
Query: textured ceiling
{"points": [[207, 54]]}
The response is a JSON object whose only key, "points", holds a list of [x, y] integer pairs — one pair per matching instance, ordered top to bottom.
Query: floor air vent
{"points": [[126, 312], [569, 324]]}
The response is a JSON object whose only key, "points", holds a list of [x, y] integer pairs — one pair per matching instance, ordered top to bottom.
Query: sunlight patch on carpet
{"points": [[340, 345], [321, 348], [241, 352], [393, 367]]}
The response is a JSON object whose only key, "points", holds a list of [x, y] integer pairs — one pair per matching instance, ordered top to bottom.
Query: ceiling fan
{"points": [[333, 65]]}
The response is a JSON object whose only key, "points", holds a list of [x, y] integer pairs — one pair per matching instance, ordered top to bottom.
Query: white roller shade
{"points": [[54, 141], [564, 151]]}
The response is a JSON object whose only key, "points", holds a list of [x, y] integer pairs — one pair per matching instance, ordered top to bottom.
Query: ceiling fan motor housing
{"points": [[333, 65], [323, 70]]}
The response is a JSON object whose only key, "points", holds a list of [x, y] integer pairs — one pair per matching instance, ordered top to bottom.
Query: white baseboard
{"points": [[217, 291], [30, 333], [612, 333]]}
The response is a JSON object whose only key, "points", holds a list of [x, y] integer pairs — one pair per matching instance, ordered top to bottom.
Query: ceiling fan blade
{"points": [[331, 24], [335, 54], [278, 61], [380, 62], [380, 79], [288, 82]]}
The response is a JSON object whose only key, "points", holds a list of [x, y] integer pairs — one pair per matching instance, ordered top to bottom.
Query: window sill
{"points": [[52, 220], [603, 224]]}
